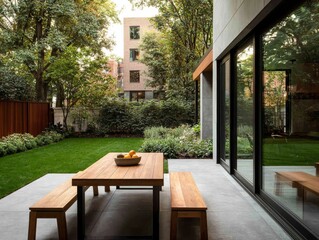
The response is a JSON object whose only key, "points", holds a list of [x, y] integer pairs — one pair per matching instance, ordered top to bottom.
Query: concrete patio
{"points": [[232, 213]]}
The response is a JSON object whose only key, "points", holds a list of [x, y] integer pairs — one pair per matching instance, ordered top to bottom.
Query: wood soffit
{"points": [[205, 65]]}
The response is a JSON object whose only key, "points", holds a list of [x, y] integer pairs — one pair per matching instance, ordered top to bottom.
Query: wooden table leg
{"points": [[156, 208], [81, 212]]}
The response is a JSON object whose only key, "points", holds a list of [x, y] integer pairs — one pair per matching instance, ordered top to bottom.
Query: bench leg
{"points": [[107, 188], [95, 190], [278, 190], [61, 221], [32, 225], [203, 226], [173, 232]]}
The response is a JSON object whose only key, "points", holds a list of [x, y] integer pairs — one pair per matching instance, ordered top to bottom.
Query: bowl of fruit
{"points": [[128, 159]]}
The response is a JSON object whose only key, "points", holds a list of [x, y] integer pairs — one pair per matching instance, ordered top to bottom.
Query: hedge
{"points": [[120, 116]]}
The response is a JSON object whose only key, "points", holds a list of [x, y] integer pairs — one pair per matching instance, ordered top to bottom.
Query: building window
{"points": [[134, 32], [134, 54], [135, 76], [137, 96], [290, 140]]}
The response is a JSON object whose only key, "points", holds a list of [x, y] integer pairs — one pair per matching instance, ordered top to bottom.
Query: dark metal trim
{"points": [[258, 84], [156, 207], [81, 212]]}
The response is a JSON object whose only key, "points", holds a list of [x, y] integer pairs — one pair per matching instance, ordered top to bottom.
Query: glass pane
{"points": [[134, 32], [134, 54], [135, 76], [245, 112], [291, 113], [225, 116]]}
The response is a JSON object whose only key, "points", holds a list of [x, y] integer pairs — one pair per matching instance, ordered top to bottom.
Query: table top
{"points": [[149, 172]]}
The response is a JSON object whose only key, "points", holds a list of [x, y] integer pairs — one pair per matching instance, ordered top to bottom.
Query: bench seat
{"points": [[295, 179], [186, 202], [54, 205]]}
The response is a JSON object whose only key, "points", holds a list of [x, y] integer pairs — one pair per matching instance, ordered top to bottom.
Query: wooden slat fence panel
{"points": [[23, 117]]}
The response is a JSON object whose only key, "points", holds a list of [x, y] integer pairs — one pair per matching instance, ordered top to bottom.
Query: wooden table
{"points": [[104, 172]]}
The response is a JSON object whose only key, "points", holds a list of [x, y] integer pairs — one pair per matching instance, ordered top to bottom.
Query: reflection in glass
{"points": [[134, 32], [245, 113], [291, 113], [225, 116]]}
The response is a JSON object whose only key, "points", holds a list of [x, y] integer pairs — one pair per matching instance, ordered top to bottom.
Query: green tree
{"points": [[187, 29], [36, 33], [156, 57], [78, 75], [13, 86]]}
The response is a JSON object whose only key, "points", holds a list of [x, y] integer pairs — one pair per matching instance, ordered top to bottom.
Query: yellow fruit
{"points": [[132, 152], [127, 156], [134, 156]]}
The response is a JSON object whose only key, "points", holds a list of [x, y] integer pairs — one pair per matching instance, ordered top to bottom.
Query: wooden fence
{"points": [[23, 117]]}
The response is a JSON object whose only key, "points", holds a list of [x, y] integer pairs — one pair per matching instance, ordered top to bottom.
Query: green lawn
{"points": [[294, 152], [68, 156]]}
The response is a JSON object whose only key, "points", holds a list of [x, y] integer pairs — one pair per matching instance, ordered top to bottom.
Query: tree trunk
{"points": [[40, 95], [60, 95]]}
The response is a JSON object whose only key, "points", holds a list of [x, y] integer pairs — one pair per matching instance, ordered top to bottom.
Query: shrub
{"points": [[120, 116], [115, 117], [48, 137], [29, 141], [17, 142], [21, 142], [176, 142], [169, 146], [3, 148], [11, 148], [198, 149]]}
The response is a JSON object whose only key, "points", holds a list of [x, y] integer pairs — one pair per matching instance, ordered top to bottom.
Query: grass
{"points": [[294, 152], [68, 156]]}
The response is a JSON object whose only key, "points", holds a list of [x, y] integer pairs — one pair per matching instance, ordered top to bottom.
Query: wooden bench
{"points": [[295, 180], [310, 186], [186, 202], [54, 205]]}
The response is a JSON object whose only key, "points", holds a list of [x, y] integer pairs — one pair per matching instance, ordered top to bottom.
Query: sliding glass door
{"points": [[245, 112], [290, 140]]}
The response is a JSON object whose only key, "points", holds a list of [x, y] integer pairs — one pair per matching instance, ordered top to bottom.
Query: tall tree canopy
{"points": [[187, 27], [35, 33], [79, 78]]}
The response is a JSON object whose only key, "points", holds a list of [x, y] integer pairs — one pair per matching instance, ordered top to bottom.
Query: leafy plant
{"points": [[18, 142], [177, 142], [169, 146], [3, 148]]}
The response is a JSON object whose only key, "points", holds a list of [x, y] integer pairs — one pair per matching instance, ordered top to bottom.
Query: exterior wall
{"points": [[233, 20], [145, 26], [113, 68], [206, 113]]}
